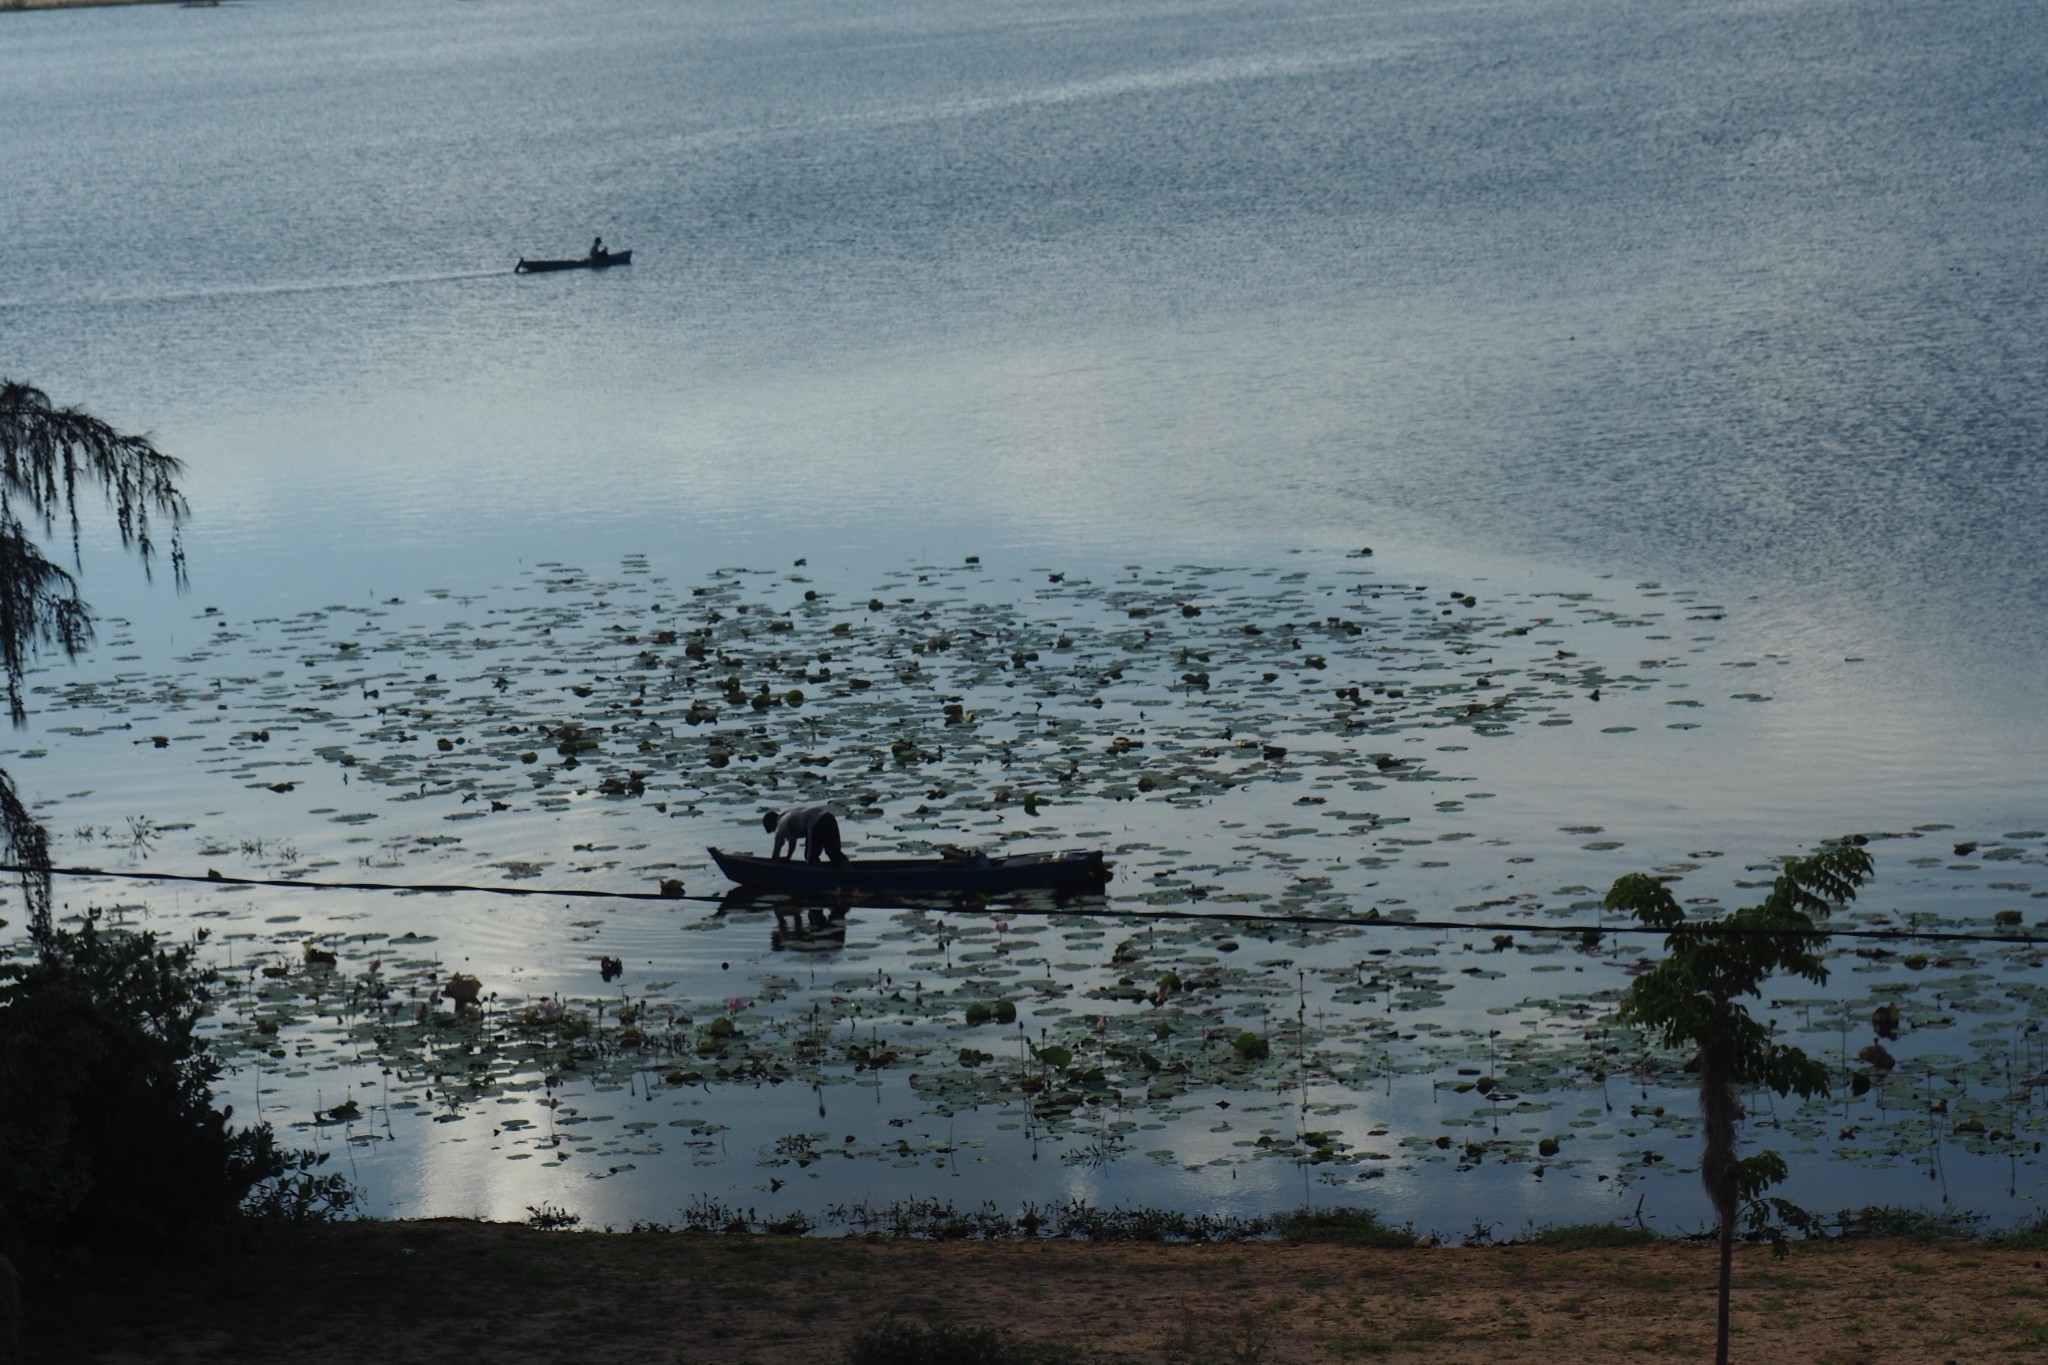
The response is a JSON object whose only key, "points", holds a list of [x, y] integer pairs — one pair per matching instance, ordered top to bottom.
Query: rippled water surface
{"points": [[1702, 345]]}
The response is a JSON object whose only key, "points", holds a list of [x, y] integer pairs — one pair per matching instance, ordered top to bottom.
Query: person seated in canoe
{"points": [[597, 251], [814, 826]]}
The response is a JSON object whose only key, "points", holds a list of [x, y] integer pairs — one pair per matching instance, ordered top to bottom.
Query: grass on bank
{"points": [[1076, 1220], [1343, 1227], [2028, 1236], [1592, 1237]]}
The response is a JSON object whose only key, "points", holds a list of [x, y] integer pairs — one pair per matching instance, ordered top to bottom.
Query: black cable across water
{"points": [[1368, 921]]}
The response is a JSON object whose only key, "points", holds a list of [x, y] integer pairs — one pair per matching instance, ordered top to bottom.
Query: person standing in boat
{"points": [[814, 826]]}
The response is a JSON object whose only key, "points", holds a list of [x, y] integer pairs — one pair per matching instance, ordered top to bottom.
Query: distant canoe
{"points": [[610, 258], [1070, 871]]}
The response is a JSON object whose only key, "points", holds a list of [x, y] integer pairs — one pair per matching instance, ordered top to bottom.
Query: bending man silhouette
{"points": [[814, 826]]}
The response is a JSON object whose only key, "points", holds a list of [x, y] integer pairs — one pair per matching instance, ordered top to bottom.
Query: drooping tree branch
{"points": [[48, 454], [49, 457], [40, 609], [28, 847]]}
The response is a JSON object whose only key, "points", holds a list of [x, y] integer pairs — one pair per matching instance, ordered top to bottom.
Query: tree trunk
{"points": [[1720, 1111], [1727, 1277]]}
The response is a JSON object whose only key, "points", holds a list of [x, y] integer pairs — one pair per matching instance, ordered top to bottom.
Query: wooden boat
{"points": [[609, 258], [1074, 870]]}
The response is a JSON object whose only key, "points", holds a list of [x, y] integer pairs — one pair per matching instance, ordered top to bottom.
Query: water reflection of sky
{"points": [[1117, 289], [389, 746]]}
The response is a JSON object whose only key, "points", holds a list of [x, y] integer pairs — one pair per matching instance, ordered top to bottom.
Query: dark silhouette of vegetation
{"points": [[51, 459], [1693, 1000], [108, 1133], [109, 1138], [942, 1220], [1911, 1224], [1343, 1227], [2028, 1236], [1593, 1237]]}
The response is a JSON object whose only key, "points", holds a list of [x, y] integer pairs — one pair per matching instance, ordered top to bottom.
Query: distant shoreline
{"points": [[6, 5]]}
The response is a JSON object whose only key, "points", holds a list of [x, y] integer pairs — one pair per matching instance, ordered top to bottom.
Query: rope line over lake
{"points": [[1369, 921]]}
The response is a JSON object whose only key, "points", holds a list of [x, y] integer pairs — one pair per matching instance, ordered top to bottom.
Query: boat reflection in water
{"points": [[817, 924], [799, 927], [813, 929]]}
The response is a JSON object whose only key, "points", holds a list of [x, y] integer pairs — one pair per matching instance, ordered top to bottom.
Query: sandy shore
{"points": [[434, 1291]]}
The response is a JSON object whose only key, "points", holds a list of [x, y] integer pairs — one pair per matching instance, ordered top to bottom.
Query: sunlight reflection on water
{"points": [[1540, 301]]}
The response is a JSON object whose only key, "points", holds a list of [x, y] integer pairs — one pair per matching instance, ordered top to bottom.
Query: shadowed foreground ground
{"points": [[439, 1290]]}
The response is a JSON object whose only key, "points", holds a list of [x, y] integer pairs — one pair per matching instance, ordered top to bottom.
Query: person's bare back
{"points": [[814, 826]]}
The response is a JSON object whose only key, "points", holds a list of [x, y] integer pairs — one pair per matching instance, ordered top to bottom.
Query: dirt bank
{"points": [[422, 1292]]}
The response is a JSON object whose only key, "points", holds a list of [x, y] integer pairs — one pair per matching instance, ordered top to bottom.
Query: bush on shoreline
{"points": [[109, 1138], [934, 1220]]}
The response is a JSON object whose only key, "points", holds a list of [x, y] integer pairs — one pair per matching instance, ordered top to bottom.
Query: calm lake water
{"points": [[1723, 319]]}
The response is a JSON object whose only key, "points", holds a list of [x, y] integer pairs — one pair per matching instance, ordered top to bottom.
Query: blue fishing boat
{"points": [[601, 261], [969, 875]]}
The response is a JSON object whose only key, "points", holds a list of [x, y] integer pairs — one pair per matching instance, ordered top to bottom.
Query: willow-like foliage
{"points": [[49, 455], [51, 459], [40, 609], [27, 845]]}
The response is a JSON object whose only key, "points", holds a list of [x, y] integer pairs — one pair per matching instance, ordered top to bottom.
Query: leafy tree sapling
{"points": [[1693, 1000]]}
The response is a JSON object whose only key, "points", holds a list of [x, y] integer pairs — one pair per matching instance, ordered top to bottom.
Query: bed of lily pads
{"points": [[1285, 764]]}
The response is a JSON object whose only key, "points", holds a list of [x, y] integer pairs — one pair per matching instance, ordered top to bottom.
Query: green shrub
{"points": [[108, 1132], [1919, 1225], [1343, 1227], [1593, 1236], [2030, 1236]]}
